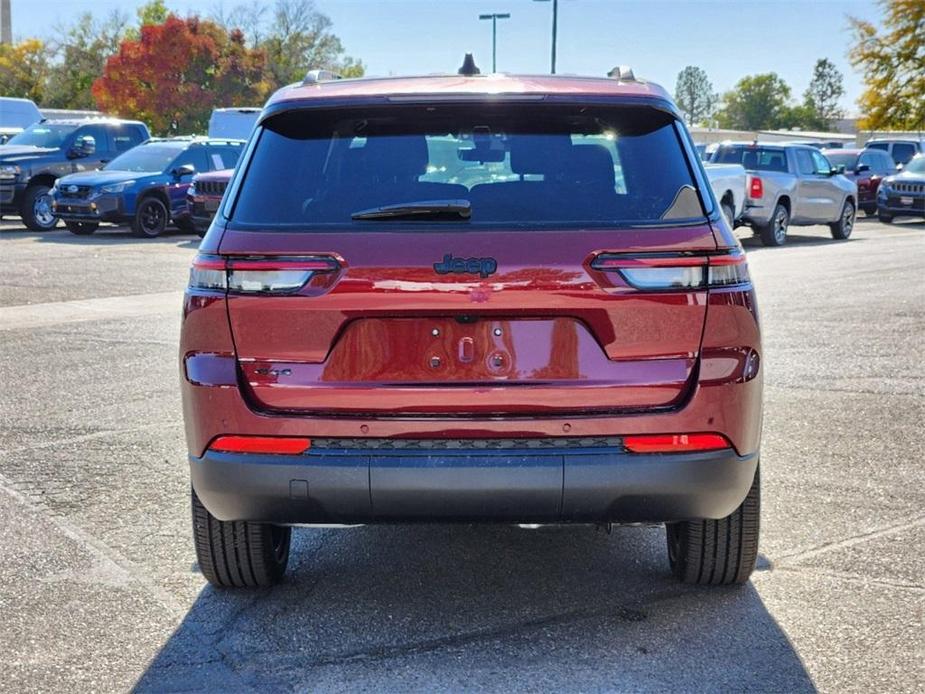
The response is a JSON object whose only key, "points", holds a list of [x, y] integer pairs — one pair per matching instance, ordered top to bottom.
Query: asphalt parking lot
{"points": [[99, 589]]}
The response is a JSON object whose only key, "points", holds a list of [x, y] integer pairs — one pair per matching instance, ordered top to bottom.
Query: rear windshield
{"points": [[752, 158], [509, 165]]}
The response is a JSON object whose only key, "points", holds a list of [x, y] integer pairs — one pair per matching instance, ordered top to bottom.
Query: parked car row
{"points": [[85, 171], [796, 184]]}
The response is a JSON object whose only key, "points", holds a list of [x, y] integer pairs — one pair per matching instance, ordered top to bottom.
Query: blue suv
{"points": [[146, 186]]}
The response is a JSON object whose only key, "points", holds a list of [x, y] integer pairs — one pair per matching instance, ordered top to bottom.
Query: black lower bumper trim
{"points": [[525, 485]]}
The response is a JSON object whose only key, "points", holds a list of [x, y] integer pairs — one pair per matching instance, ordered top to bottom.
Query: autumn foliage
{"points": [[176, 72]]}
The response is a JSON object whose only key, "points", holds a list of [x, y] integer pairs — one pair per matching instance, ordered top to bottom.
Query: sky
{"points": [[658, 38]]}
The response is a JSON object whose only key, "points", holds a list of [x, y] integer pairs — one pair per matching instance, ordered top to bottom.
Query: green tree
{"points": [[152, 12], [300, 39], [81, 52], [892, 62], [24, 69], [825, 89], [694, 94], [757, 102]]}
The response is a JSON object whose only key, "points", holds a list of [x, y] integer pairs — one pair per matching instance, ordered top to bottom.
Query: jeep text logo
{"points": [[472, 266]]}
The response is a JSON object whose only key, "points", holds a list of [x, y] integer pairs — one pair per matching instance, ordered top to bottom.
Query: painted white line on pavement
{"points": [[107, 308]]}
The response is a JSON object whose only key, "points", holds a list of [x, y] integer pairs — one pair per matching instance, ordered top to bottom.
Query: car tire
{"points": [[36, 209], [729, 213], [150, 218], [885, 218], [82, 228], [842, 229], [774, 233], [717, 552], [239, 554]]}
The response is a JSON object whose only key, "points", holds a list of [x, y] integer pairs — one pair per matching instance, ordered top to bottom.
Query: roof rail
{"points": [[624, 73], [316, 76]]}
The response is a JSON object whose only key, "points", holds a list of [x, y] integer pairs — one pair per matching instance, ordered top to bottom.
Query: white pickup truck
{"points": [[728, 182]]}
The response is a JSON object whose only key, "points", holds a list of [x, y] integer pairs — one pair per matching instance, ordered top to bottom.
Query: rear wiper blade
{"points": [[429, 209]]}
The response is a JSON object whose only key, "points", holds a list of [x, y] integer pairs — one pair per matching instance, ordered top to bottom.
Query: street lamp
{"points": [[494, 17], [555, 19]]}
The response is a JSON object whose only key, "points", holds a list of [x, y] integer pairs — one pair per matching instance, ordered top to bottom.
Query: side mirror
{"points": [[84, 146], [899, 167], [862, 168], [185, 170], [838, 170]]}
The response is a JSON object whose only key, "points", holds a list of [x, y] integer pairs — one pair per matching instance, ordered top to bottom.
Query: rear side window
{"points": [[125, 137], [885, 146], [903, 152], [224, 156], [197, 157], [752, 158], [514, 165]]}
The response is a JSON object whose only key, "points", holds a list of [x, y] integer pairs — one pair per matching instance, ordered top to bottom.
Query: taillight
{"points": [[756, 188], [676, 272], [257, 275], [674, 443], [272, 445]]}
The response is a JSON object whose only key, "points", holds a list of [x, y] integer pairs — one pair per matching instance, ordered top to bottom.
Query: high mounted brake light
{"points": [[676, 272], [257, 275]]}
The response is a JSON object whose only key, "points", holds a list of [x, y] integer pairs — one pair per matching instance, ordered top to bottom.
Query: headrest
{"points": [[531, 154], [399, 156], [750, 160], [591, 165]]}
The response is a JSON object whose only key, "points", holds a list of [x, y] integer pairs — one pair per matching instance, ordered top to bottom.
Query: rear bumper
{"points": [[756, 213], [582, 484]]}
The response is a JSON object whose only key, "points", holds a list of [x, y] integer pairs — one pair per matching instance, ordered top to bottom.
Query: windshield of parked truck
{"points": [[46, 135], [502, 165], [916, 166]]}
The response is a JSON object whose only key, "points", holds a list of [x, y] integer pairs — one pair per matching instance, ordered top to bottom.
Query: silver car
{"points": [[790, 184]]}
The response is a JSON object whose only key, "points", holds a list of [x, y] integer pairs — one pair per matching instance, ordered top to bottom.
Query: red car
{"points": [[867, 168], [204, 196], [474, 298]]}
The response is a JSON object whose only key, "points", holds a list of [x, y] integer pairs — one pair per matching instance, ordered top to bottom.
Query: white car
{"points": [[728, 183]]}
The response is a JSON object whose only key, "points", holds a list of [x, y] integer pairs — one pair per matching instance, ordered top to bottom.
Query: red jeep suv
{"points": [[472, 298]]}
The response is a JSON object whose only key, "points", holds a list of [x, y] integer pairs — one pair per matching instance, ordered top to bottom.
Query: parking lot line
{"points": [[106, 308]]}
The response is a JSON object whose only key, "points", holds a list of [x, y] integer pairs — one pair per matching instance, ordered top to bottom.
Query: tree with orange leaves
{"points": [[177, 71]]}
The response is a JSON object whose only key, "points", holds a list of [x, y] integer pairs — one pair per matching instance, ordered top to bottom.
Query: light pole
{"points": [[494, 17], [555, 21]]}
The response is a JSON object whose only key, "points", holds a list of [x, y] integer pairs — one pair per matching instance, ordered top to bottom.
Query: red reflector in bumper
{"points": [[674, 443], [261, 444]]}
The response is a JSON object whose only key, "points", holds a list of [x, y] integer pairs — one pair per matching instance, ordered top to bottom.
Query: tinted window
{"points": [[99, 135], [125, 137], [879, 145], [903, 152], [195, 156], [224, 156], [152, 158], [752, 158], [848, 160], [805, 162], [821, 164], [885, 164], [515, 165], [917, 165]]}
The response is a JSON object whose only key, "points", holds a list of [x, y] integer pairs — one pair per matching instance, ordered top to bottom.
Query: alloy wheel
{"points": [[41, 209]]}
